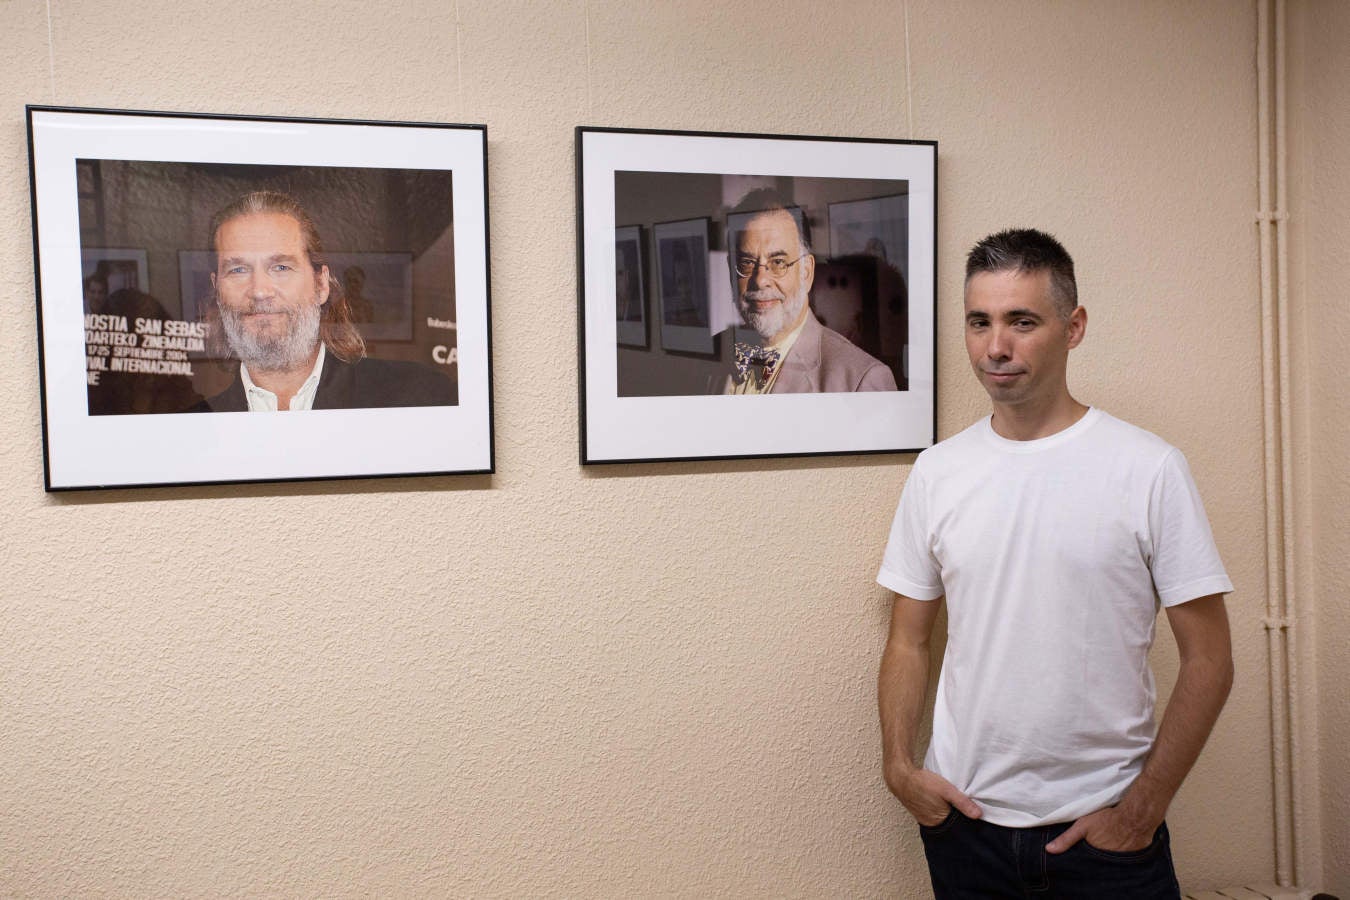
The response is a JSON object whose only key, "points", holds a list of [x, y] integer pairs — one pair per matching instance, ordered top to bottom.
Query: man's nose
{"points": [[760, 277], [260, 284], [997, 347]]}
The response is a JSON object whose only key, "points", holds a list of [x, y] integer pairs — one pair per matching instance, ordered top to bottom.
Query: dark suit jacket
{"points": [[824, 361], [365, 384]]}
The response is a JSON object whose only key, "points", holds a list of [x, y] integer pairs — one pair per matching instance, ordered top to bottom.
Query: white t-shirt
{"points": [[1053, 555]]}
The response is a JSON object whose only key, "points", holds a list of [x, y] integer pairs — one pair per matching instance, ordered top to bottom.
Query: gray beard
{"points": [[773, 320], [273, 354]]}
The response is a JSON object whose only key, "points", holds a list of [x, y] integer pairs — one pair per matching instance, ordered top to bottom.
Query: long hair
{"points": [[336, 328]]}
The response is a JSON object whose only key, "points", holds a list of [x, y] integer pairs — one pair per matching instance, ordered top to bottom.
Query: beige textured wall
{"points": [[1320, 185], [610, 682]]}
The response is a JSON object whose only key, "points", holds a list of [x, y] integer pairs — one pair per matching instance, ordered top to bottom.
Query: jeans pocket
{"points": [[944, 826], [1128, 856]]}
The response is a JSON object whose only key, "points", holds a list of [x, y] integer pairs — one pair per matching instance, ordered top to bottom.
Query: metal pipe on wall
{"points": [[1282, 302], [1276, 427]]}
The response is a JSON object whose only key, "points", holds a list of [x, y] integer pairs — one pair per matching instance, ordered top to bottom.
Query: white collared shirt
{"points": [[263, 400]]}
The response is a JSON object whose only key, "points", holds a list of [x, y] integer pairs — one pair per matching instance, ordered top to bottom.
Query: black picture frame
{"points": [[682, 286], [630, 288], [124, 380], [673, 404]]}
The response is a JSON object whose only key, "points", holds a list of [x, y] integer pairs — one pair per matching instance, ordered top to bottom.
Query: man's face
{"points": [[269, 293], [95, 295], [772, 306], [1018, 343]]}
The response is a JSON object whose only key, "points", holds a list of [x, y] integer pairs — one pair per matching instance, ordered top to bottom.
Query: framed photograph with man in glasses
{"points": [[796, 297]]}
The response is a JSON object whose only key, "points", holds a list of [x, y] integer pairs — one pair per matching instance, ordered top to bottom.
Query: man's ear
{"points": [[808, 265], [325, 286], [1077, 326]]}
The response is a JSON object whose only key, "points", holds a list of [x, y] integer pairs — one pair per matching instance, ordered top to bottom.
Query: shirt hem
{"points": [[1212, 584], [901, 585], [1011, 818]]}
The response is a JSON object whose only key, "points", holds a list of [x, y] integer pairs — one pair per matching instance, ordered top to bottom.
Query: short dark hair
{"points": [[767, 200], [1027, 250]]}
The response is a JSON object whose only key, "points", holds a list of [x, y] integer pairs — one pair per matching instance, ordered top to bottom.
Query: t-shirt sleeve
{"points": [[1185, 563], [908, 566]]}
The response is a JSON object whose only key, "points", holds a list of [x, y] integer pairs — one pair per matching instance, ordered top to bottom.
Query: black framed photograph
{"points": [[122, 268], [194, 270], [682, 286], [630, 288], [795, 293]]}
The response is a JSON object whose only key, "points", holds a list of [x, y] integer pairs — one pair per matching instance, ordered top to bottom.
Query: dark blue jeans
{"points": [[969, 858]]}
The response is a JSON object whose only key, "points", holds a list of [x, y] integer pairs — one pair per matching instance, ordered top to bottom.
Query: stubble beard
{"points": [[771, 322], [267, 352], [1020, 391]]}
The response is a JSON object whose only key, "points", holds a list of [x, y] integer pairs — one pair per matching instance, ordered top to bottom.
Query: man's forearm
{"points": [[902, 686], [1201, 689]]}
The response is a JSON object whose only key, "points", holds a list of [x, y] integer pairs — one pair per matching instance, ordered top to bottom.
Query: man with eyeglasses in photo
{"points": [[771, 270]]}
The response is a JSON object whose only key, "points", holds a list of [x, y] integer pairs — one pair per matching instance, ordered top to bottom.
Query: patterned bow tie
{"points": [[748, 355]]}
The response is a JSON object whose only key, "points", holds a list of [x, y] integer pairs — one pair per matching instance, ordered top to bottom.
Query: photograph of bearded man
{"points": [[772, 270], [288, 322]]}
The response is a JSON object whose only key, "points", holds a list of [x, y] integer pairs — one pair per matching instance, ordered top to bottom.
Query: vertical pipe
{"points": [[909, 79], [1282, 301], [1270, 421]]}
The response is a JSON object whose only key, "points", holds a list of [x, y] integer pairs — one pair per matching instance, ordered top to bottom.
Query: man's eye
{"points": [[281, 267]]}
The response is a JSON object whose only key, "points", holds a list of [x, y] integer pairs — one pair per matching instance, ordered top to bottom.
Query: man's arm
{"points": [[1206, 675], [902, 686]]}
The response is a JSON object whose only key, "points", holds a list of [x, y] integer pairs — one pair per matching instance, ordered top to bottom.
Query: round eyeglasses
{"points": [[777, 265]]}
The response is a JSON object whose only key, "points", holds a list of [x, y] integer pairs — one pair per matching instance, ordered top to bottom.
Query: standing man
{"points": [[772, 270], [285, 318], [1054, 531]]}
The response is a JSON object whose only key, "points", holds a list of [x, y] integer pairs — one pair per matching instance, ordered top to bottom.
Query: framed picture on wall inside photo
{"points": [[196, 270], [794, 293], [630, 299]]}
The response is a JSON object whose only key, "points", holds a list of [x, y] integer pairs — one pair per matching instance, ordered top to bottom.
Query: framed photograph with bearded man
{"points": [[328, 267], [795, 286]]}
